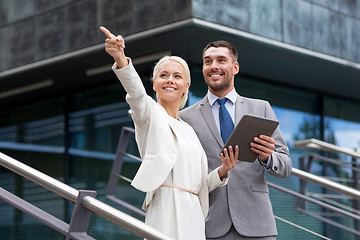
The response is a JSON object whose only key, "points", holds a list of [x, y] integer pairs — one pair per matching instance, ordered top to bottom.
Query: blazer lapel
{"points": [[205, 109], [239, 109]]}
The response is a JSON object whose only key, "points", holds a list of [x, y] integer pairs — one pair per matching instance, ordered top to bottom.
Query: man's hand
{"points": [[114, 46], [264, 146], [229, 159]]}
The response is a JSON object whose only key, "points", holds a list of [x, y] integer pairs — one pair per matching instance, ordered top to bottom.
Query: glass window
{"points": [[96, 119], [343, 122], [34, 135]]}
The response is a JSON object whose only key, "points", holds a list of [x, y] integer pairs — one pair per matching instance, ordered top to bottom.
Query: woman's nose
{"points": [[170, 79]]}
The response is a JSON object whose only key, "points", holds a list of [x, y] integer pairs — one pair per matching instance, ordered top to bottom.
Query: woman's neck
{"points": [[172, 109]]}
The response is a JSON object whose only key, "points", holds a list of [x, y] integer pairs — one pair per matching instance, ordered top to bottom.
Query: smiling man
{"points": [[219, 68], [242, 209]]}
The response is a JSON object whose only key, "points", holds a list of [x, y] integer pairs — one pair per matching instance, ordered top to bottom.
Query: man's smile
{"points": [[216, 74]]}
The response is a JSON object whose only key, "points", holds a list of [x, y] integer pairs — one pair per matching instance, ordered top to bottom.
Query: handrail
{"points": [[317, 144], [320, 145], [333, 161], [296, 172], [40, 178], [322, 181], [326, 183], [90, 203], [123, 219], [302, 228]]}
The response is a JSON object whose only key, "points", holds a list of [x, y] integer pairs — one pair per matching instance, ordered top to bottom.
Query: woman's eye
{"points": [[162, 75], [178, 76]]}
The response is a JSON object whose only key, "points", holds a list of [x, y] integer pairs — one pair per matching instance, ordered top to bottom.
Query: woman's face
{"points": [[170, 83]]}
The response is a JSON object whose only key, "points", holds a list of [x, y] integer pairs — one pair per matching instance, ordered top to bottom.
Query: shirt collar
{"points": [[232, 96]]}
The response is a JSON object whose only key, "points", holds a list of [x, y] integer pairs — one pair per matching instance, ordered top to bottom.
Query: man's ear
{"points": [[236, 68]]}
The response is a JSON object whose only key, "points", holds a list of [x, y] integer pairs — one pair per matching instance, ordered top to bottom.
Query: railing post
{"points": [[118, 162], [305, 166], [116, 170], [355, 185], [80, 218]]}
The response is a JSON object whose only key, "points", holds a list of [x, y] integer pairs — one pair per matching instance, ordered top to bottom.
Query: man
{"points": [[242, 209]]}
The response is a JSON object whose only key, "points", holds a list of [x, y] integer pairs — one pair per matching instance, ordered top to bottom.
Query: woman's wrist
{"points": [[121, 62], [223, 174]]}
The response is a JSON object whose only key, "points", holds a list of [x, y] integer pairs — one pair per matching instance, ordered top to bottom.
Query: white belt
{"points": [[181, 188]]}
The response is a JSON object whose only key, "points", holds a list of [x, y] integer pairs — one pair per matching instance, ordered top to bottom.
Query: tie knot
{"points": [[221, 101]]}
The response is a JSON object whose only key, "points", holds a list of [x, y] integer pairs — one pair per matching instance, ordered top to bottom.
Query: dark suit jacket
{"points": [[245, 201]]}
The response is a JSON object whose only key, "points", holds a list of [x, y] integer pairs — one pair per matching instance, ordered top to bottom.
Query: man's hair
{"points": [[223, 43]]}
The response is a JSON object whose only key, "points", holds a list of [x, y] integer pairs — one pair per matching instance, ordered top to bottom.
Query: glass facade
{"points": [[34, 134], [74, 138]]}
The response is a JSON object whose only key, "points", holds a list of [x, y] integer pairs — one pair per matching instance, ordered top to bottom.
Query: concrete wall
{"points": [[327, 26], [32, 30]]}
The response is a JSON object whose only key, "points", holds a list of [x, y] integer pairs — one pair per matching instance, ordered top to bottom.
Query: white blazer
{"points": [[157, 141]]}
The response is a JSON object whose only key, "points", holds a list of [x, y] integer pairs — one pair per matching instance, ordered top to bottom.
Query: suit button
{"points": [[275, 168]]}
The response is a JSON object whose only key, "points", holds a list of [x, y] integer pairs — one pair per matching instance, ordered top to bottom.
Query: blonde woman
{"points": [[174, 171]]}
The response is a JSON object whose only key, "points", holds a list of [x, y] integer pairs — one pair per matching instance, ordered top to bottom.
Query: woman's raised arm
{"points": [[114, 46]]}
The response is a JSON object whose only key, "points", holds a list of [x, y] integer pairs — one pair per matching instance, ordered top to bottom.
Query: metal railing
{"points": [[320, 145], [121, 153], [321, 181], [351, 193], [84, 203]]}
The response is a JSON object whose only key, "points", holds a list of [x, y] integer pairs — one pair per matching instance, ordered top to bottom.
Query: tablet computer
{"points": [[249, 127]]}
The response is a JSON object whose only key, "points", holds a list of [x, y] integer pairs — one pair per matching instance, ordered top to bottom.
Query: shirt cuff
{"points": [[266, 165]]}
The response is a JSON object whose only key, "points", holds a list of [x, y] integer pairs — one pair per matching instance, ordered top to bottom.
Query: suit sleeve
{"points": [[281, 165]]}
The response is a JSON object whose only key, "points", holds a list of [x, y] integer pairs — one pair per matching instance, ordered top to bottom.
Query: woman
{"points": [[174, 170]]}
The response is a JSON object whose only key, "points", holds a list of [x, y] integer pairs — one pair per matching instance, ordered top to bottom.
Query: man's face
{"points": [[219, 69]]}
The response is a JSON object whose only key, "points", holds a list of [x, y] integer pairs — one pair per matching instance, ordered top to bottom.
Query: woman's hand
{"points": [[114, 46], [229, 159]]}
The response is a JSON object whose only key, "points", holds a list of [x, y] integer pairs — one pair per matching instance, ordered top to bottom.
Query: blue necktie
{"points": [[226, 123]]}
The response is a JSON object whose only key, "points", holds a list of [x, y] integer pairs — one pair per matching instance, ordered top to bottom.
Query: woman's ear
{"points": [[154, 85], [187, 87]]}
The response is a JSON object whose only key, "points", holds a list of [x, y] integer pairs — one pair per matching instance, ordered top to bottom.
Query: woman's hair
{"points": [[187, 73]]}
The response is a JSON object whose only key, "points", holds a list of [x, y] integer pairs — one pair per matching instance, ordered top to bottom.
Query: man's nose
{"points": [[214, 65]]}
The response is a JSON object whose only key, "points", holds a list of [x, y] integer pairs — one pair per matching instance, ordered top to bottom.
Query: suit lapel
{"points": [[239, 109], [209, 119]]}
